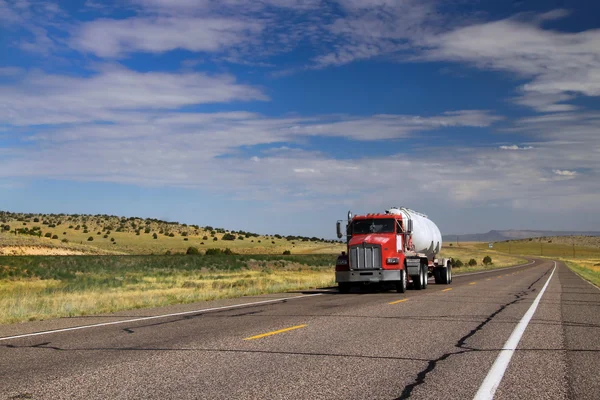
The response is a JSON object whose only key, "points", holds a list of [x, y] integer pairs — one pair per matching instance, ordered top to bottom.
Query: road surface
{"points": [[438, 343]]}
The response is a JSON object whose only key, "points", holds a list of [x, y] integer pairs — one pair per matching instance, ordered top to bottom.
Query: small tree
{"points": [[48, 235], [154, 235], [228, 236], [55, 237], [204, 237], [91, 239], [112, 239], [185, 239], [215, 239], [65, 241], [192, 251], [212, 252], [287, 253], [487, 260], [472, 262], [457, 263]]}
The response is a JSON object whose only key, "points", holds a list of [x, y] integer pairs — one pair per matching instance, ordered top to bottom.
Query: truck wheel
{"points": [[446, 273], [449, 273], [437, 275], [425, 277], [418, 280], [401, 286], [344, 287]]}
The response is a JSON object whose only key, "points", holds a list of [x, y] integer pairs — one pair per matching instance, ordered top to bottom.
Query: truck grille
{"points": [[365, 257]]}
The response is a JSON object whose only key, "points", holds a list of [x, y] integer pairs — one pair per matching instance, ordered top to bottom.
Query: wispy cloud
{"points": [[559, 64], [40, 98]]}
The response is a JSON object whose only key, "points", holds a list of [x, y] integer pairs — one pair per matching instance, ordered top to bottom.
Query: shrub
{"points": [[36, 220], [70, 226], [6, 227], [147, 230], [85, 231], [171, 234], [184, 234], [48, 235], [154, 235], [105, 236], [228, 236], [55, 237], [205, 237], [240, 238], [91, 239], [112, 239], [185, 239], [215, 239], [64, 240], [259, 241], [201, 242], [272, 242], [192, 251], [212, 252], [228, 252], [168, 253], [287, 253], [487, 260], [472, 262], [457, 263]]}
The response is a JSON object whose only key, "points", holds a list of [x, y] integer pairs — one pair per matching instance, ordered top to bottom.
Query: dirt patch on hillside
{"points": [[38, 251]]}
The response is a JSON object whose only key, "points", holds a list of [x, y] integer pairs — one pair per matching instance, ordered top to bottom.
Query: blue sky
{"points": [[277, 116]]}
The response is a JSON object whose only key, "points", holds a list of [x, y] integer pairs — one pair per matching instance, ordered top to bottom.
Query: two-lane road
{"points": [[436, 343]]}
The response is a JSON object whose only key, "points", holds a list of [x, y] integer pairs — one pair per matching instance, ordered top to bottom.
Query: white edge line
{"points": [[75, 328], [494, 377]]}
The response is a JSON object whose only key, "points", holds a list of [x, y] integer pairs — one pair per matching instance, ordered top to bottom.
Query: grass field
{"points": [[119, 235], [467, 251], [581, 254], [38, 287]]}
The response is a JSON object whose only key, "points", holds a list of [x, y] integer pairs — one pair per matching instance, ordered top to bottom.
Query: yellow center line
{"points": [[472, 283], [445, 290], [398, 301], [275, 332]]}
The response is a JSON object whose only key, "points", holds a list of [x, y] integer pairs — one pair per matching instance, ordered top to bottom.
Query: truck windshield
{"points": [[365, 226]]}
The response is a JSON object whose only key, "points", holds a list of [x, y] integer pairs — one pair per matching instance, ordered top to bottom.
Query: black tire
{"points": [[449, 273], [425, 276], [437, 276], [418, 280], [401, 286], [344, 287]]}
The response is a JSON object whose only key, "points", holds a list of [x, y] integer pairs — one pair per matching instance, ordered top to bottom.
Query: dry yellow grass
{"points": [[37, 299]]}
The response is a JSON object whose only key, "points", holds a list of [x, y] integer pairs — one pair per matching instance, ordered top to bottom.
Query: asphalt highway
{"points": [[438, 343]]}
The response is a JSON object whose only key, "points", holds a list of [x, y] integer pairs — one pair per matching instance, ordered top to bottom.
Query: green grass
{"points": [[467, 251], [582, 259], [41, 287]]}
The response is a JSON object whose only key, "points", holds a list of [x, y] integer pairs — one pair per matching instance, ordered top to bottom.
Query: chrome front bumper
{"points": [[372, 276]]}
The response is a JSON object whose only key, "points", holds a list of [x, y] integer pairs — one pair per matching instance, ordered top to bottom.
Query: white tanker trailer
{"points": [[398, 247]]}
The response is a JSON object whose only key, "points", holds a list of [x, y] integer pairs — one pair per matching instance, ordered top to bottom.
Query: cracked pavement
{"points": [[434, 345]]}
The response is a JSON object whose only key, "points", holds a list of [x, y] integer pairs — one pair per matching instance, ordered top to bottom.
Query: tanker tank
{"points": [[426, 237]]}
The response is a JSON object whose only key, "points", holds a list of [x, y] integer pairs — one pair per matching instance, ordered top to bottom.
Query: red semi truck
{"points": [[398, 247]]}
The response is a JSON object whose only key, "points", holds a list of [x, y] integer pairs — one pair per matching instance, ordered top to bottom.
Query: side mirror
{"points": [[409, 226], [338, 227]]}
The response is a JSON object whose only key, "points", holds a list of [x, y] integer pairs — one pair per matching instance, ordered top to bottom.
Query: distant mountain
{"points": [[499, 236]]}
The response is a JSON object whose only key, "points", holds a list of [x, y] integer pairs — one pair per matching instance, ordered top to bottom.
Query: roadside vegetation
{"points": [[39, 234], [580, 253], [472, 257], [42, 287]]}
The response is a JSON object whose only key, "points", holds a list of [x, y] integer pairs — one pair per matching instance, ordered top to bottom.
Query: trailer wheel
{"points": [[446, 273], [437, 275], [425, 276], [418, 280], [401, 286], [344, 287]]}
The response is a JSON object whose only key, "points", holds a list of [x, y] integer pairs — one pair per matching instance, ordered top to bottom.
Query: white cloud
{"points": [[114, 38], [560, 64], [40, 98], [515, 147], [564, 172]]}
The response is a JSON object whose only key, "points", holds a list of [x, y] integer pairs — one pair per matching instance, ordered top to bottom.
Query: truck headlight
{"points": [[393, 260]]}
